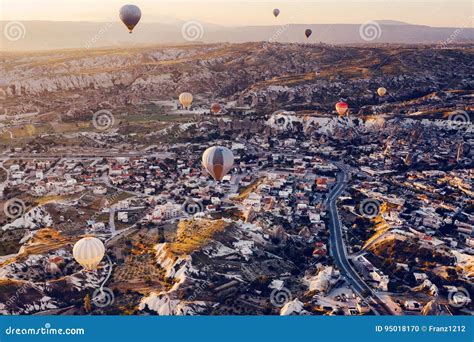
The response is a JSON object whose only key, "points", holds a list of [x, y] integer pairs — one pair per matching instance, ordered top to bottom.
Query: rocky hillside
{"points": [[256, 74], [228, 265], [43, 276]]}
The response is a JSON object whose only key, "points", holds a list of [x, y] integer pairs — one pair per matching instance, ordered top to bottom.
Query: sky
{"points": [[440, 13]]}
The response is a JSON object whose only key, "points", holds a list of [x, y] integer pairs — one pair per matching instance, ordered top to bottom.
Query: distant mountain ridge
{"points": [[393, 22], [47, 35]]}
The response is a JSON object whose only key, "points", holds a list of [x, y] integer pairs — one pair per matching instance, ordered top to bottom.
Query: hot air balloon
{"points": [[276, 12], [130, 16], [308, 33], [381, 91], [186, 99], [216, 108], [341, 108], [218, 161], [88, 252]]}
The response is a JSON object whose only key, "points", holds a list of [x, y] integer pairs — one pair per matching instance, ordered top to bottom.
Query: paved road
{"points": [[113, 230], [338, 248]]}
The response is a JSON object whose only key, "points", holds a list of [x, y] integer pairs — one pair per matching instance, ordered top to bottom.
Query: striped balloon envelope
{"points": [[186, 99], [218, 161], [88, 252]]}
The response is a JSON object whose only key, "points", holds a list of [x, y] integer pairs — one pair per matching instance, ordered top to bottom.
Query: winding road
{"points": [[338, 248]]}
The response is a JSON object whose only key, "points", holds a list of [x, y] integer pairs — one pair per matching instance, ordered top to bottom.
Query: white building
{"points": [[100, 190], [165, 212], [122, 216]]}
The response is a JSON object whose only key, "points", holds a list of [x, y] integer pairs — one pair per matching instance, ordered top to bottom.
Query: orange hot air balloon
{"points": [[216, 108], [341, 108]]}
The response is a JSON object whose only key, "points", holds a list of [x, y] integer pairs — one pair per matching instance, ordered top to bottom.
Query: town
{"points": [[368, 213]]}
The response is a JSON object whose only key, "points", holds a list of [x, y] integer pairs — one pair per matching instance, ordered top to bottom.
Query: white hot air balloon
{"points": [[186, 99], [218, 161], [89, 252]]}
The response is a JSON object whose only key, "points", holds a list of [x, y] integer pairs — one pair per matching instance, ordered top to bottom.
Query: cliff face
{"points": [[160, 69], [253, 73], [179, 269], [219, 269], [44, 276], [19, 297]]}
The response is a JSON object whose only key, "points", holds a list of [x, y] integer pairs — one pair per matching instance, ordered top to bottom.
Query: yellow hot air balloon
{"points": [[381, 91], [186, 99], [218, 161], [89, 252]]}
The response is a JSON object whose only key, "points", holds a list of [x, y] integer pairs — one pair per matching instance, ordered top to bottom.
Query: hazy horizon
{"points": [[433, 13], [178, 21], [57, 24]]}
